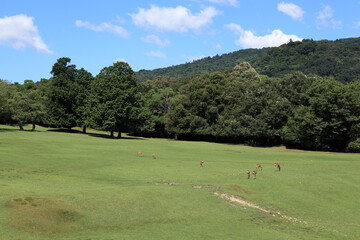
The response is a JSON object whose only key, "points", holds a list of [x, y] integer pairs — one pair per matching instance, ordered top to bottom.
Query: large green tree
{"points": [[5, 92], [62, 94], [82, 100], [27, 104], [115, 106]]}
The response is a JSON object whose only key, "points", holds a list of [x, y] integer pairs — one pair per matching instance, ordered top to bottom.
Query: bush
{"points": [[354, 146]]}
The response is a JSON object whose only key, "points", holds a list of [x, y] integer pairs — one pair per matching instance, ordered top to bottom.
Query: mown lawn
{"points": [[58, 185]]}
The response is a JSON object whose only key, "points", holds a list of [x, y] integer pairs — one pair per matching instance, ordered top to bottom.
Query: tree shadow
{"points": [[97, 135]]}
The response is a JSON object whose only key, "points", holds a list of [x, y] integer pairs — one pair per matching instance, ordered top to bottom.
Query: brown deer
{"points": [[139, 154], [277, 165], [258, 166], [248, 173]]}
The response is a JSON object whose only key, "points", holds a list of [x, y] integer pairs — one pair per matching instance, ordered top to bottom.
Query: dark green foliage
{"points": [[339, 59], [224, 62], [83, 82], [5, 93], [62, 93], [156, 101], [115, 103], [26, 104], [197, 108], [328, 117], [354, 146]]}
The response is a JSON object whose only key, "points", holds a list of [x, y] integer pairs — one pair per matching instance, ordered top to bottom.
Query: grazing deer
{"points": [[139, 154], [153, 155], [201, 163], [277, 165], [259, 166], [248, 173], [254, 174]]}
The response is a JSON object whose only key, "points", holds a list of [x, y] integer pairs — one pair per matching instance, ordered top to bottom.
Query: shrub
{"points": [[354, 146]]}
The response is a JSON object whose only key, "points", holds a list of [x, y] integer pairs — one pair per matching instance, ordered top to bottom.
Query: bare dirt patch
{"points": [[168, 183], [249, 204], [41, 215]]}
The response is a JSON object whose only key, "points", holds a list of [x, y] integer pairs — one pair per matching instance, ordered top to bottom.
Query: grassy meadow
{"points": [[58, 185]]}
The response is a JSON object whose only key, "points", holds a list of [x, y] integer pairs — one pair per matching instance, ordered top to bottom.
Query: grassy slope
{"points": [[58, 185]]}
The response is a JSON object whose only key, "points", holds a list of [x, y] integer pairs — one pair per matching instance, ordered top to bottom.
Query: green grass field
{"points": [[57, 185]]}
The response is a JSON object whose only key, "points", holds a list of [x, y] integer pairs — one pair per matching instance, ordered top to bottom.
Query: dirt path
{"points": [[249, 204]]}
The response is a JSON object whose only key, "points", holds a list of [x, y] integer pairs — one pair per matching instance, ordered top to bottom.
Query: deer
{"points": [[139, 154], [153, 156], [201, 163], [277, 165], [258, 166], [254, 174]]}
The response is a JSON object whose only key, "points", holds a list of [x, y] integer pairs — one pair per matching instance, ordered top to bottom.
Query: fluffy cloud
{"points": [[233, 3], [291, 9], [178, 19], [325, 19], [356, 25], [103, 27], [19, 31], [155, 39], [249, 40], [156, 54], [120, 60]]}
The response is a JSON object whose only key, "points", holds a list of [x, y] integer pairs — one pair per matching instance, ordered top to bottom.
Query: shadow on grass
{"points": [[17, 130], [98, 135]]}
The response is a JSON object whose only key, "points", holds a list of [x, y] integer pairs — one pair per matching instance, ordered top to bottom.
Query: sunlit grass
{"points": [[58, 185]]}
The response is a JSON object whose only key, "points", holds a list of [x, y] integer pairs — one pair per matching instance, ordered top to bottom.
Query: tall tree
{"points": [[115, 92], [62, 94], [82, 100], [5, 115]]}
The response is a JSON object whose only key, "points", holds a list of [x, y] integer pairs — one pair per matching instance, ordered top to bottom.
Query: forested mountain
{"points": [[339, 59], [224, 62]]}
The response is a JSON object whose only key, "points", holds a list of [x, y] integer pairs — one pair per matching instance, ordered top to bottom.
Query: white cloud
{"points": [[233, 3], [291, 9], [178, 19], [325, 19], [357, 25], [104, 27], [19, 31], [155, 39], [249, 40], [218, 47], [156, 54], [120, 60]]}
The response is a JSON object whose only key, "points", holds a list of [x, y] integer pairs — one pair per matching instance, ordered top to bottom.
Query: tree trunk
{"points": [[20, 126], [33, 126], [69, 129], [84, 129], [112, 134], [119, 134]]}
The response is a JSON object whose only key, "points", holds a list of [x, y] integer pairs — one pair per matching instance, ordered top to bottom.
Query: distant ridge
{"points": [[339, 58], [205, 65]]}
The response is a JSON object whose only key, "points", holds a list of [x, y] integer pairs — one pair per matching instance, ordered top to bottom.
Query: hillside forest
{"points": [[302, 95]]}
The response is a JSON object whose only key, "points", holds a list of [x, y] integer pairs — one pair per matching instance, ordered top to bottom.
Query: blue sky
{"points": [[158, 33]]}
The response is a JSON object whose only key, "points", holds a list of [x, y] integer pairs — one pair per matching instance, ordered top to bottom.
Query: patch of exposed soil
{"points": [[249, 204]]}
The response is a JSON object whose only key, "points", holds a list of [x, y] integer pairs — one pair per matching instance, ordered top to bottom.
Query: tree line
{"points": [[237, 106]]}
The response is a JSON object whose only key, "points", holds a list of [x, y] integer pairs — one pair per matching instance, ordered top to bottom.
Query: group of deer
{"points": [[139, 154], [258, 166]]}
